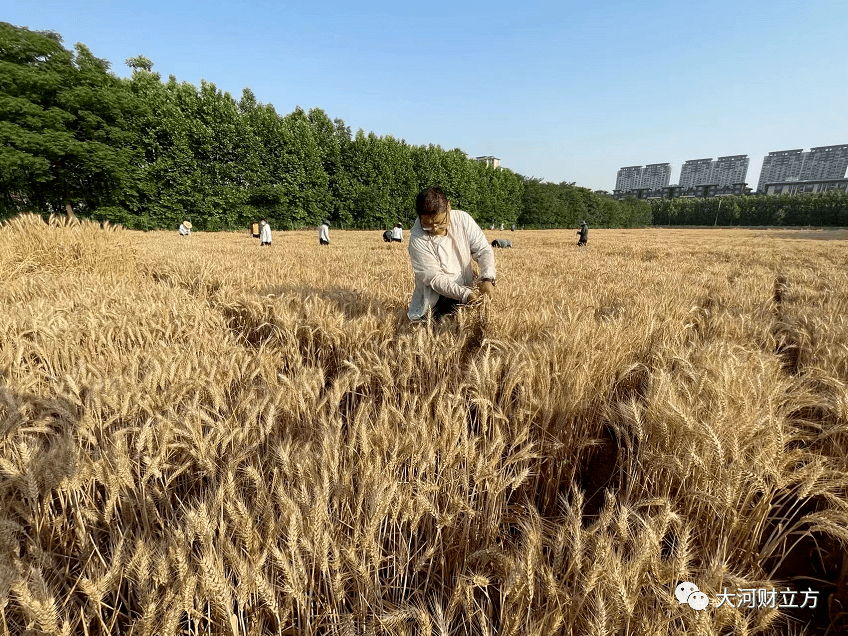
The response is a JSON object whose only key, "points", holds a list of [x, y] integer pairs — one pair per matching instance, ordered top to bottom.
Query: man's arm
{"points": [[481, 251], [428, 270]]}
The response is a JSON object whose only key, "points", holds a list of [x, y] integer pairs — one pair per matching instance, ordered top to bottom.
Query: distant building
{"points": [[491, 162], [825, 162], [819, 164], [779, 166], [730, 169], [723, 171], [696, 172], [655, 175], [725, 175], [629, 178], [806, 186], [678, 191]]}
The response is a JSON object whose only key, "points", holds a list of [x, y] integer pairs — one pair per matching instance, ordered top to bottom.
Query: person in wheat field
{"points": [[185, 228], [324, 233], [397, 233], [264, 234], [584, 234], [442, 244]]}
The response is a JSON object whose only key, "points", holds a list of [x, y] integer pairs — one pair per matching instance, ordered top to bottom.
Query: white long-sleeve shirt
{"points": [[184, 231], [324, 232], [265, 233], [397, 233], [442, 264]]}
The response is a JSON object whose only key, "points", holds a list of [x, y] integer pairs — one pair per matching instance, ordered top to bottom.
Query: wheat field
{"points": [[202, 436]]}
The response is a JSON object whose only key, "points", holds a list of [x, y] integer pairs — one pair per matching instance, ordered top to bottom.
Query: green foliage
{"points": [[140, 62], [64, 127], [334, 140], [299, 171], [170, 174], [381, 179], [499, 194], [565, 205], [819, 209], [636, 213]]}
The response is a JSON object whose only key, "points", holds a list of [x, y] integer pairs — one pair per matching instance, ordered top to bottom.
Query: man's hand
{"points": [[486, 287], [474, 297]]}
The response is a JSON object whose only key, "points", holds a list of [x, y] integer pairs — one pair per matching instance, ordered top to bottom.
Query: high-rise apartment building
{"points": [[822, 162], [825, 162], [781, 165], [729, 170], [696, 172], [655, 175], [629, 178]]}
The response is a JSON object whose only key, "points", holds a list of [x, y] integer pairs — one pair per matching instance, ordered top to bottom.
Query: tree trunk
{"points": [[69, 210]]}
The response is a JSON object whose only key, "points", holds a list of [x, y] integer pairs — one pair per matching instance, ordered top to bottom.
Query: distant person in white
{"points": [[185, 228], [397, 233], [264, 234], [324, 234], [442, 244]]}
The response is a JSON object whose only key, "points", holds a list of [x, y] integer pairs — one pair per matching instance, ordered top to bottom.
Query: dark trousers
{"points": [[323, 242], [445, 306]]}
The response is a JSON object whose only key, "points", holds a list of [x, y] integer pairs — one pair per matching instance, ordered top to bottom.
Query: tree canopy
{"points": [[64, 124], [148, 152]]}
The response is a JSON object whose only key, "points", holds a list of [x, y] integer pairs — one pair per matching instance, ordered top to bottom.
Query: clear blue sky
{"points": [[567, 91]]}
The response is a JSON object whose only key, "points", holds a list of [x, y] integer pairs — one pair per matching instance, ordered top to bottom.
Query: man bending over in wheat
{"points": [[442, 244]]}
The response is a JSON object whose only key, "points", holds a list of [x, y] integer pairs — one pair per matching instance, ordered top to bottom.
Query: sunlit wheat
{"points": [[201, 437]]}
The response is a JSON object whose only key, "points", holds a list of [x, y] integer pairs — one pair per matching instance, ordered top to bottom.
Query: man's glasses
{"points": [[437, 225]]}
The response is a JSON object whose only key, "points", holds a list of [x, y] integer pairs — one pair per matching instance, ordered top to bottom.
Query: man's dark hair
{"points": [[431, 201]]}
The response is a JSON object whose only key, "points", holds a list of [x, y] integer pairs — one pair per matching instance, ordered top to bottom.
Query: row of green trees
{"points": [[148, 153], [565, 205], [816, 209]]}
